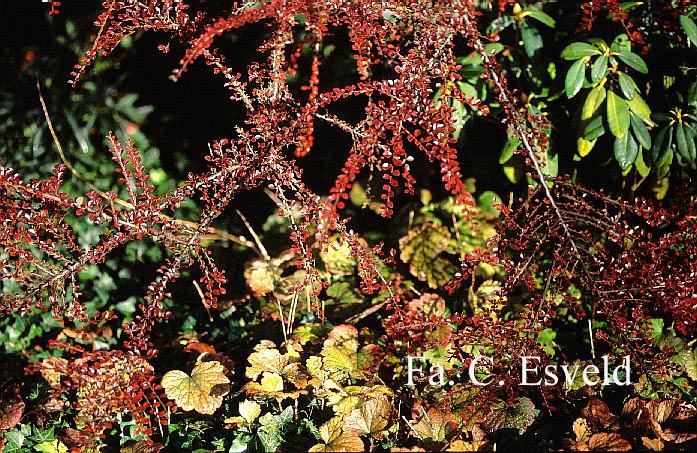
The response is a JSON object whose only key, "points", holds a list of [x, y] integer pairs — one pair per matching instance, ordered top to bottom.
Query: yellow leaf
{"points": [[271, 382], [194, 392], [249, 410], [371, 418], [582, 430], [337, 439]]}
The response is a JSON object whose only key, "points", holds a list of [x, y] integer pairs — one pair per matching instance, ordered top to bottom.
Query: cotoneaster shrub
{"points": [[560, 271]]}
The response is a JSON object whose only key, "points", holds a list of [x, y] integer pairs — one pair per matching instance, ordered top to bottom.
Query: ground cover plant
{"points": [[289, 225]]}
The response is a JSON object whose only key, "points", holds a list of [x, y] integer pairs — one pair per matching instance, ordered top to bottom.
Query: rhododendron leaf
{"points": [[690, 28], [617, 114], [194, 392], [371, 417], [337, 439]]}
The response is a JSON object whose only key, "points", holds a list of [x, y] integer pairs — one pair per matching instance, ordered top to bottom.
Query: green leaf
{"points": [[541, 17], [690, 28], [532, 39], [621, 42], [577, 50], [633, 60], [599, 68], [575, 77], [626, 85], [594, 100], [639, 107], [617, 114], [594, 129], [640, 132], [691, 138], [681, 141], [584, 146], [661, 146], [509, 148], [626, 150], [641, 166], [15, 441]]}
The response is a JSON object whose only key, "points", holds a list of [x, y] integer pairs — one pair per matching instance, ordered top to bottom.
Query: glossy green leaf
{"points": [[541, 17], [690, 28], [532, 39], [621, 42], [577, 50], [633, 60], [599, 68], [575, 77], [626, 85], [594, 100], [639, 107], [617, 114], [594, 129], [640, 132], [691, 138], [681, 141], [661, 146], [626, 149], [641, 166]]}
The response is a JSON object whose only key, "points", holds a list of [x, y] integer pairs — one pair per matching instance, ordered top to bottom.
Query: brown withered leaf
{"points": [[11, 408], [662, 411], [599, 416], [337, 439], [608, 442], [653, 444]]}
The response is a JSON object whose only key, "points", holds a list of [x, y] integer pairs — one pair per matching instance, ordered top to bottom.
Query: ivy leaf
{"points": [[690, 28], [577, 50], [633, 60], [574, 78], [617, 114], [626, 150], [194, 392], [519, 415], [371, 418], [273, 428], [337, 439], [15, 441], [51, 447]]}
